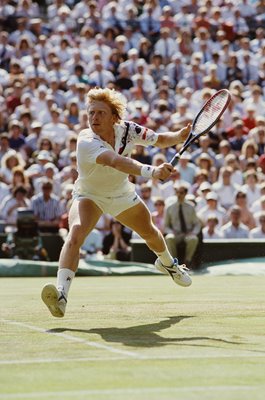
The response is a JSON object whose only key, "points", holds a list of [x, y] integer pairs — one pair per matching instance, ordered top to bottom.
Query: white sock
{"points": [[166, 258], [64, 280]]}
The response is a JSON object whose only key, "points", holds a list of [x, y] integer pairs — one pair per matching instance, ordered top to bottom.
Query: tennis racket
{"points": [[206, 118]]}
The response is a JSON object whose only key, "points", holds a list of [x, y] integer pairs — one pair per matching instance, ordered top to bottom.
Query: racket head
{"points": [[211, 112]]}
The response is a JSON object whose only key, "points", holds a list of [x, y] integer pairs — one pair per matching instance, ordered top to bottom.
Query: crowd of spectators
{"points": [[167, 57]]}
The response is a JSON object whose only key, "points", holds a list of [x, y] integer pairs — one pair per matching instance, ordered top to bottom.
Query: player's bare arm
{"points": [[168, 139], [131, 166]]}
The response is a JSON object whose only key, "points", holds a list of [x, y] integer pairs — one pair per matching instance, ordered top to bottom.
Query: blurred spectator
{"points": [[10, 160], [224, 188], [10, 204], [212, 207], [47, 208], [246, 215], [158, 216], [182, 225], [235, 229], [210, 231], [259, 231], [116, 244]]}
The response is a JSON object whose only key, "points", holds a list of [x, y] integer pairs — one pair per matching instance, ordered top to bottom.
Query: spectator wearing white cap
{"points": [[31, 141], [36, 169], [50, 171], [212, 208]]}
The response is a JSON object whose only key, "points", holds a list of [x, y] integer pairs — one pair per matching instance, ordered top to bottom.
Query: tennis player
{"points": [[104, 163]]}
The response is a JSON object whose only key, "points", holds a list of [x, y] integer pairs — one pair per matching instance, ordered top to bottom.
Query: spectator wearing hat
{"points": [[31, 141], [204, 147], [249, 150], [10, 160], [205, 162], [36, 169], [51, 172], [203, 189], [47, 208], [212, 208], [182, 225], [235, 229], [211, 231]]}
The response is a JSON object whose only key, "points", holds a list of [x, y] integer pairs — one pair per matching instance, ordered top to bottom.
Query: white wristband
{"points": [[147, 171]]}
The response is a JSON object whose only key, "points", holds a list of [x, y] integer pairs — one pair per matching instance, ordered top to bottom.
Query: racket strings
{"points": [[210, 113]]}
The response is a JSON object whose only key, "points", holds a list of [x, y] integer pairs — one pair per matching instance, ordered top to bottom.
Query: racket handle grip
{"points": [[175, 160]]}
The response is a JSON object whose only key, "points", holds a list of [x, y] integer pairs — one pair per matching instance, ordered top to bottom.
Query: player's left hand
{"points": [[184, 133]]}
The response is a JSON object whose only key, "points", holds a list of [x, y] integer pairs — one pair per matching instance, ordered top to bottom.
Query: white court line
{"points": [[75, 339], [124, 353], [249, 354], [132, 391]]}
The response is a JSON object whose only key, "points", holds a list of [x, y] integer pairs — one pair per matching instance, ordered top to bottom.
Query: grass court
{"points": [[135, 338]]}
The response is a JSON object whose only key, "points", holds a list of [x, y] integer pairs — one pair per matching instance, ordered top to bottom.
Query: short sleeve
{"points": [[142, 135]]}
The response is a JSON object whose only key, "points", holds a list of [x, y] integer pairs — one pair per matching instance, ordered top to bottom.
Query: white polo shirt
{"points": [[101, 180]]}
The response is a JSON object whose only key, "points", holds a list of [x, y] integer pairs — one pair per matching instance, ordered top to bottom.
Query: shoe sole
{"points": [[180, 283], [49, 296]]}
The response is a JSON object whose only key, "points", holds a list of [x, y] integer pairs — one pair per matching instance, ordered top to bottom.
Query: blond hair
{"points": [[116, 101]]}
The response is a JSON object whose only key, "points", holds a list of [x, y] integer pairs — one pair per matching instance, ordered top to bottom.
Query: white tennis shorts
{"points": [[112, 205]]}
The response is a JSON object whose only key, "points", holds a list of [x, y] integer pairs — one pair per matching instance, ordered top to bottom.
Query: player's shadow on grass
{"points": [[145, 335]]}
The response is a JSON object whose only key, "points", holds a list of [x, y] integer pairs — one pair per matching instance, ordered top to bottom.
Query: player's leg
{"points": [[83, 216], [138, 218]]}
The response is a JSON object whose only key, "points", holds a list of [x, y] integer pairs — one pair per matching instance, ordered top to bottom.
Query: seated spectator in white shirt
{"points": [[234, 229], [210, 231], [259, 231]]}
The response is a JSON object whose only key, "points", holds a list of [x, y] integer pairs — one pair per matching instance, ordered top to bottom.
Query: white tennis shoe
{"points": [[177, 272], [54, 300]]}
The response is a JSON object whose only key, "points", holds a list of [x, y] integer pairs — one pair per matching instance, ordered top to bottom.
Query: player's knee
{"points": [[76, 236]]}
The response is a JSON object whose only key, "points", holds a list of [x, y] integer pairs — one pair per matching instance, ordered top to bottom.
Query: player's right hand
{"points": [[163, 171]]}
